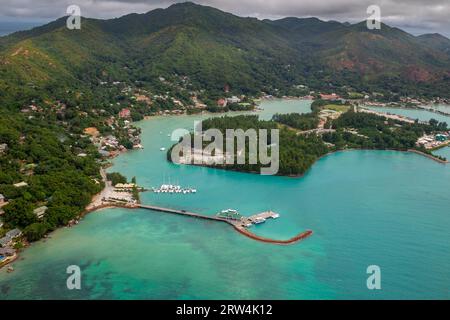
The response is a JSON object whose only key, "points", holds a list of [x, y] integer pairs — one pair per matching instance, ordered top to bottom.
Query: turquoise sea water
{"points": [[441, 107], [445, 152], [383, 208]]}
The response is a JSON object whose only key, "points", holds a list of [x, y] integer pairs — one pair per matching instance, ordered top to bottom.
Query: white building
{"points": [[234, 99], [3, 148], [21, 184], [125, 185], [40, 212]]}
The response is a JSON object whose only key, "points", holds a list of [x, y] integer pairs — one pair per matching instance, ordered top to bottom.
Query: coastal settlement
{"points": [[116, 134]]}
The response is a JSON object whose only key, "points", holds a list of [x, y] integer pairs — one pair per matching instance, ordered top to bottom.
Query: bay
{"points": [[383, 208]]}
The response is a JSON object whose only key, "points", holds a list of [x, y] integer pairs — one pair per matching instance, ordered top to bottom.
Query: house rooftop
{"points": [[21, 184], [125, 185], [43, 208], [40, 211], [13, 233], [4, 241], [7, 251]]}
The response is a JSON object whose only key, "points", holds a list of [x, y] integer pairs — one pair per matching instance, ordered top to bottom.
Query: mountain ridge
{"points": [[214, 48]]}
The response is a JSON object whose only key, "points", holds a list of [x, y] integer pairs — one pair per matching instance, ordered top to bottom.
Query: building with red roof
{"points": [[125, 113]]}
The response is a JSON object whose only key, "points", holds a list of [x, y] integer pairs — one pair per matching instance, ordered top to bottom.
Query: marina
{"points": [[169, 188], [247, 222]]}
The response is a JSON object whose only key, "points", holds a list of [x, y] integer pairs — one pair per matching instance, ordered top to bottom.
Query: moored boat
{"points": [[259, 220]]}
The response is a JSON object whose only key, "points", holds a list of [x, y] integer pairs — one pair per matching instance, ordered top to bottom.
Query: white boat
{"points": [[163, 149], [173, 188], [229, 211], [275, 216], [259, 220]]}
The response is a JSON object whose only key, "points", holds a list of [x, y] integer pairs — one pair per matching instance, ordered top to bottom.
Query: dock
{"points": [[182, 212], [260, 217], [240, 225]]}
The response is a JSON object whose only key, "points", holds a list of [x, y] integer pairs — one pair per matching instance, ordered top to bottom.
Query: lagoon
{"points": [[385, 208]]}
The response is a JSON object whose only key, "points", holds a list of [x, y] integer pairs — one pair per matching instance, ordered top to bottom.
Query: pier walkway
{"points": [[182, 212], [239, 225]]}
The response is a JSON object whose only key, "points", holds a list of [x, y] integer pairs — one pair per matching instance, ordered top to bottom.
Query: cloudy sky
{"points": [[415, 16]]}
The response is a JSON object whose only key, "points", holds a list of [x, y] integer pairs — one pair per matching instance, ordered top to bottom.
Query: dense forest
{"points": [[216, 50], [306, 121], [376, 132], [297, 153], [43, 156]]}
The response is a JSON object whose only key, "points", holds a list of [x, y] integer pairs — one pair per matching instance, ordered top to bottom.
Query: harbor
{"points": [[237, 219]]}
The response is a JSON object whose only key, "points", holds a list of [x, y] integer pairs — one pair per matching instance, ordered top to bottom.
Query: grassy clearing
{"points": [[336, 107]]}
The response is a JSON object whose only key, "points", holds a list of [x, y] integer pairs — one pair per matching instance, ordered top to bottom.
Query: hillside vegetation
{"points": [[214, 49]]}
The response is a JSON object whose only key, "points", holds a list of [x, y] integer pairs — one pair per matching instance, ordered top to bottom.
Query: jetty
{"points": [[182, 212], [261, 217], [241, 224]]}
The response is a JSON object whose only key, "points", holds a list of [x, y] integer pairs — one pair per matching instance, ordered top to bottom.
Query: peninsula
{"points": [[331, 126]]}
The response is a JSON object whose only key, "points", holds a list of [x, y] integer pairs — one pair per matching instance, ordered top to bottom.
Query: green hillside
{"points": [[214, 49]]}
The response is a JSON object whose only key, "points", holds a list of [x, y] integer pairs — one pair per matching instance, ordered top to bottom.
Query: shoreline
{"points": [[418, 107], [203, 112], [206, 113], [442, 146], [429, 156], [89, 208], [243, 232], [48, 235], [11, 260]]}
